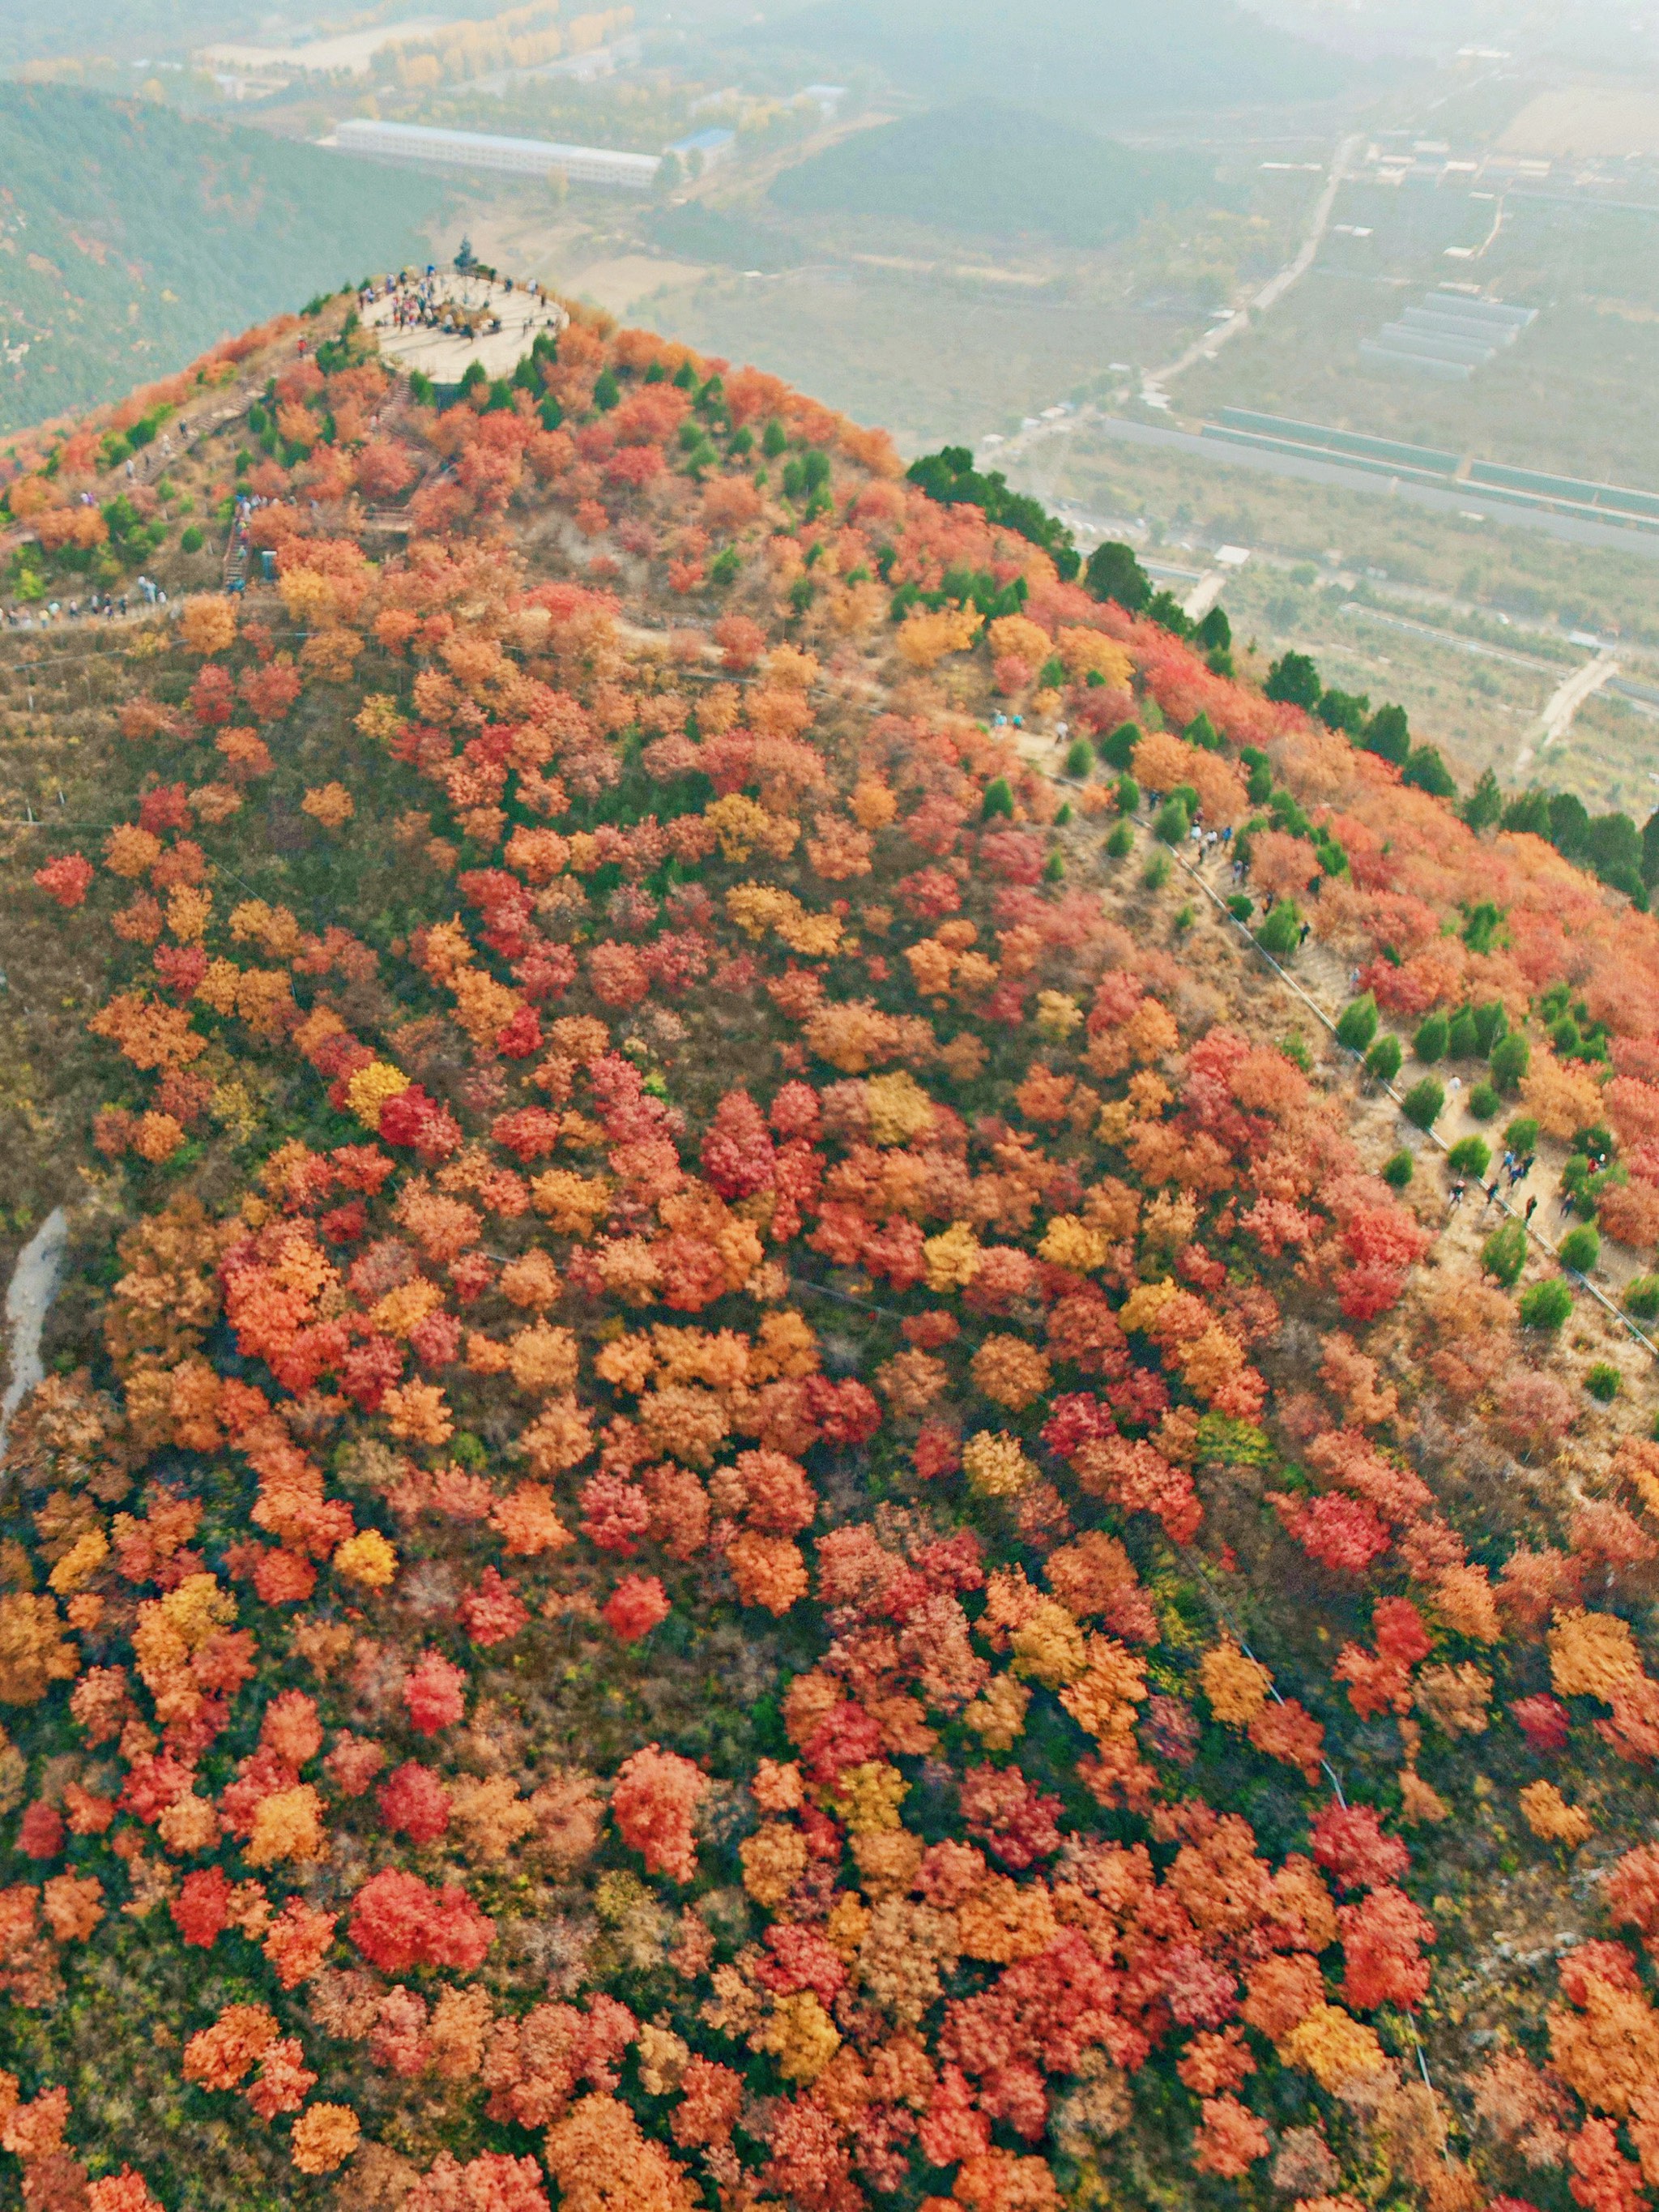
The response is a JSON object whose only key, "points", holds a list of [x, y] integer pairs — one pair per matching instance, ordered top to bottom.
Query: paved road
{"points": [[1206, 348], [1466, 500], [1204, 595], [1476, 646], [1557, 717]]}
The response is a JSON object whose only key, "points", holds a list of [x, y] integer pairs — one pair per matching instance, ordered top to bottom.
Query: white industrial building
{"points": [[478, 149]]}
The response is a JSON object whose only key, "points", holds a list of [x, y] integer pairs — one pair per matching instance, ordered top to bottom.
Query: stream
{"points": [[29, 1299]]}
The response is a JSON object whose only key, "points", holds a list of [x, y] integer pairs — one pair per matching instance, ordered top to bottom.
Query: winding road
{"points": [[1154, 385]]}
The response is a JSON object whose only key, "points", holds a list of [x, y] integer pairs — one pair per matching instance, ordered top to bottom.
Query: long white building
{"points": [[478, 149]]}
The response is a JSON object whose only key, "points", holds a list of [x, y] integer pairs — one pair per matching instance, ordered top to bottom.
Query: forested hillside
{"points": [[1091, 58], [993, 169], [131, 236], [762, 1483]]}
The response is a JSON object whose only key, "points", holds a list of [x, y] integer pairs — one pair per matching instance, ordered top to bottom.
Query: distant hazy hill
{"points": [[134, 28], [1091, 56], [985, 169], [131, 237]]}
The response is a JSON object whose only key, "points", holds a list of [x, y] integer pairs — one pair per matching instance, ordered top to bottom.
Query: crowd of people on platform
{"points": [[426, 301]]}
